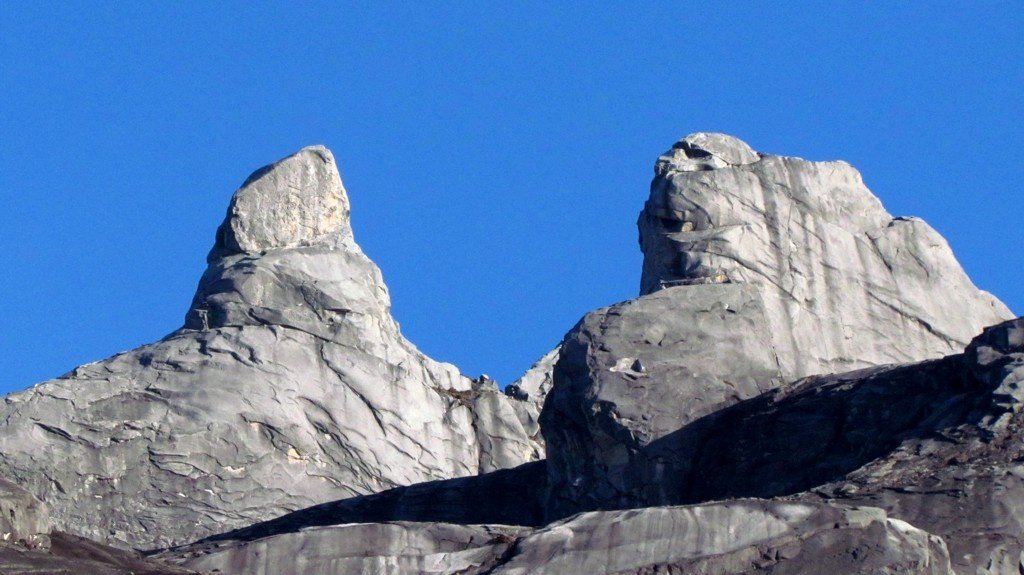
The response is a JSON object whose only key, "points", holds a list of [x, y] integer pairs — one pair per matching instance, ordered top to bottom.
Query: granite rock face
{"points": [[758, 270], [845, 284], [638, 371], [289, 385], [797, 391], [936, 444], [24, 520], [726, 538], [730, 538], [397, 548], [71, 555]]}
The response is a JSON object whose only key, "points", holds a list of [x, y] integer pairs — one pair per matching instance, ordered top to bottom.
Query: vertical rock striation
{"points": [[758, 270]]}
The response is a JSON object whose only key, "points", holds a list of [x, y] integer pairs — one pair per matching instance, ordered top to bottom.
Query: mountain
{"points": [[806, 384], [288, 385]]}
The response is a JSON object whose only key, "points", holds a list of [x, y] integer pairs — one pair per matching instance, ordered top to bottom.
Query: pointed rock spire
{"points": [[297, 201]]}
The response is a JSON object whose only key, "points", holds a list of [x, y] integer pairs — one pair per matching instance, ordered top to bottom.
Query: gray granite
{"points": [[289, 385]]}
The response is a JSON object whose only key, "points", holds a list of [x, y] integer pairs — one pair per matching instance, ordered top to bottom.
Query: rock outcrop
{"points": [[758, 270], [845, 284], [638, 371], [289, 385], [799, 390], [900, 469], [24, 520], [726, 538], [28, 546], [71, 555]]}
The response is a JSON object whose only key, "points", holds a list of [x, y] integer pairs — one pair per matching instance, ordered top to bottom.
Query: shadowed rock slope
{"points": [[289, 385]]}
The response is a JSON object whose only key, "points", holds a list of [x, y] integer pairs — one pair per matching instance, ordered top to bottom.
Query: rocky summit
{"points": [[806, 384], [288, 385]]}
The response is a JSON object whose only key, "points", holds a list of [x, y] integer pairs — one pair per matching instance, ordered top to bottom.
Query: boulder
{"points": [[637, 371]]}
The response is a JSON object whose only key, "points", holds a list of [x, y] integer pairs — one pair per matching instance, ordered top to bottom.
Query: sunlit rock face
{"points": [[758, 270], [845, 284], [289, 385]]}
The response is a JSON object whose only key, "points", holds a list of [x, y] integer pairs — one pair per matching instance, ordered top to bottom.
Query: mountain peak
{"points": [[702, 151], [294, 202]]}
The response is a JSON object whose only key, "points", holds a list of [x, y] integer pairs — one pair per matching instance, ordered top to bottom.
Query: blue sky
{"points": [[496, 154]]}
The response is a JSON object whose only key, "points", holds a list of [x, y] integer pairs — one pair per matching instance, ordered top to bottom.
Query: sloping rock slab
{"points": [[289, 385], [507, 497], [728, 538], [399, 548], [72, 555]]}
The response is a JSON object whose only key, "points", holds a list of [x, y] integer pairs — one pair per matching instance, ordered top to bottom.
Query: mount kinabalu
{"points": [[758, 270], [763, 277], [289, 385]]}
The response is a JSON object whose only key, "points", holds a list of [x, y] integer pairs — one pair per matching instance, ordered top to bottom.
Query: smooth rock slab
{"points": [[729, 538]]}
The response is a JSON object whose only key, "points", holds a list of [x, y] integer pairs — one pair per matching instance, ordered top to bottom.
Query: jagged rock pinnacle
{"points": [[705, 151], [297, 201]]}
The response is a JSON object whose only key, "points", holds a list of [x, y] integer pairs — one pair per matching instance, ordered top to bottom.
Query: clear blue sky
{"points": [[496, 154]]}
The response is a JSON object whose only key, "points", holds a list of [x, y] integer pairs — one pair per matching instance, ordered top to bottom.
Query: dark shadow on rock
{"points": [[823, 428], [804, 435], [506, 497]]}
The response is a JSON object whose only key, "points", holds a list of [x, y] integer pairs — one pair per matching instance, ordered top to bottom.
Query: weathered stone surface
{"points": [[298, 201], [758, 270], [845, 284], [637, 371], [289, 385], [532, 389], [937, 444], [961, 476], [506, 497], [24, 520], [733, 537], [398, 548], [71, 555]]}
